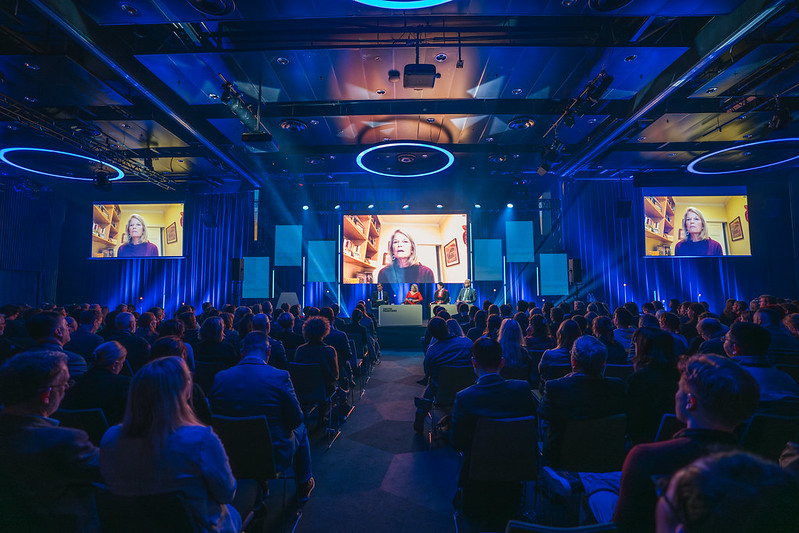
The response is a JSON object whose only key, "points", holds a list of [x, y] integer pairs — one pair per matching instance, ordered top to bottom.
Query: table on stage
{"points": [[401, 315]]}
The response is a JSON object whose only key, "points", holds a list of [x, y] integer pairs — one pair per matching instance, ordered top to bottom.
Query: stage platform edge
{"points": [[401, 337]]}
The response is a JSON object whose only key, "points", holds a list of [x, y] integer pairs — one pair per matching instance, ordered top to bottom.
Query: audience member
{"points": [[480, 321], [622, 321], [670, 323], [147, 327], [603, 330], [49, 331], [568, 332], [538, 337], [85, 339], [782, 342], [172, 346], [211, 347], [137, 348], [446, 349], [315, 351], [277, 352], [347, 361], [653, 384], [102, 386], [254, 388], [582, 395], [714, 396], [161, 447], [47, 470], [729, 492]]}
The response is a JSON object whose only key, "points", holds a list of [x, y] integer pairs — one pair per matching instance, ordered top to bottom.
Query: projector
{"points": [[417, 76], [259, 141]]}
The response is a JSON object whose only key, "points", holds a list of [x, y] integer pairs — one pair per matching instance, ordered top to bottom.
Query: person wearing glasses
{"points": [[47, 470]]}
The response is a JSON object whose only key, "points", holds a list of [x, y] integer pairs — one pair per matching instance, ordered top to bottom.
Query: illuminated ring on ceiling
{"points": [[399, 4], [4, 151], [450, 158], [692, 169]]}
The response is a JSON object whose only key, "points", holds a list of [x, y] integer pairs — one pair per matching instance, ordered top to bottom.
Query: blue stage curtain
{"points": [[612, 251], [203, 275]]}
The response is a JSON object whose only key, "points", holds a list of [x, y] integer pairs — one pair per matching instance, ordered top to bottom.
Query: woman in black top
{"points": [[211, 347], [316, 351]]}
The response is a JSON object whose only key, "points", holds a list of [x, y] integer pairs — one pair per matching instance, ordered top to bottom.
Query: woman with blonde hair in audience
{"points": [[161, 447]]}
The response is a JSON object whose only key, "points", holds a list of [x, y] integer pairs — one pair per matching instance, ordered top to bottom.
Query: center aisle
{"points": [[379, 475]]}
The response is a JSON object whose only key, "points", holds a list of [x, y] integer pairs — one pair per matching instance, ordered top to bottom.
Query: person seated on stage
{"points": [[405, 266], [467, 294], [441, 295], [380, 296], [414, 296], [747, 344], [446, 349], [102, 386], [254, 388], [582, 395], [714, 396], [47, 470], [734, 492]]}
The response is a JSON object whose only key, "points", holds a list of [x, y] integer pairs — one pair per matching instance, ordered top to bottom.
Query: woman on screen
{"points": [[696, 241], [137, 244], [405, 266], [414, 296]]}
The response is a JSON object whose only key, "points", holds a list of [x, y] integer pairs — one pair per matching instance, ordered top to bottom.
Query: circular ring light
{"points": [[400, 4], [5, 151], [447, 153], [692, 165]]}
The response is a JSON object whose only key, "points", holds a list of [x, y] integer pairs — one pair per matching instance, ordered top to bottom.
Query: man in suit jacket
{"points": [[467, 294], [380, 296], [85, 339], [339, 340], [138, 349], [102, 386], [254, 388], [582, 395], [492, 396], [47, 470]]}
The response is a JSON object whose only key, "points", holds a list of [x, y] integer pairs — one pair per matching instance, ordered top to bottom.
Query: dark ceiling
{"points": [[142, 82]]}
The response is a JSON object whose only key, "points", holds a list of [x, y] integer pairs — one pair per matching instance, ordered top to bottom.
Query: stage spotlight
{"points": [[337, 206], [370, 206], [406, 206], [439, 206], [477, 206], [510, 206], [305, 208]]}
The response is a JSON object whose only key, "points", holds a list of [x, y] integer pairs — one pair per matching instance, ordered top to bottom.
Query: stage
{"points": [[401, 337]]}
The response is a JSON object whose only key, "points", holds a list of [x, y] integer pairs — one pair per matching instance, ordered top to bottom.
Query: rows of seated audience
{"points": [[158, 380]]}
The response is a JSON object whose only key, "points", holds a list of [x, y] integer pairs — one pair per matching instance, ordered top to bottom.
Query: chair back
{"points": [[354, 349], [791, 370], [555, 371], [618, 371], [205, 372], [515, 372], [452, 380], [309, 382], [92, 421], [669, 425], [767, 435], [248, 444], [594, 445], [504, 449], [155, 513], [515, 526]]}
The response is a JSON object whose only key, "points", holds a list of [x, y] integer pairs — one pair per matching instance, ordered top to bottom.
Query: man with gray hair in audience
{"points": [[137, 348], [47, 470]]}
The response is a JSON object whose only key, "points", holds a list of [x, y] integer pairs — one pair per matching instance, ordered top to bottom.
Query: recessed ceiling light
{"points": [[129, 9], [441, 57], [630, 58], [282, 61], [32, 66], [711, 90], [516, 91], [381, 92], [213, 96], [31, 99], [430, 120], [314, 122], [521, 123], [293, 125], [489, 139], [641, 139], [424, 156], [516, 156], [331, 157], [406, 158], [337, 206], [370, 206], [406, 206], [439, 206], [477, 206], [510, 206], [305, 208]]}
